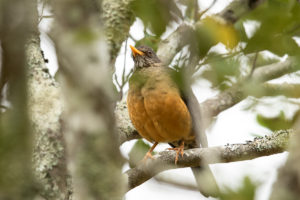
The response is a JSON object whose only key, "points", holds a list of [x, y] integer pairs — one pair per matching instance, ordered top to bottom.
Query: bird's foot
{"points": [[178, 150], [147, 156]]}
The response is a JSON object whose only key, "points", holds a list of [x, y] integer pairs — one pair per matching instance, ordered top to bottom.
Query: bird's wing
{"points": [[191, 102], [163, 104], [194, 108], [204, 177]]}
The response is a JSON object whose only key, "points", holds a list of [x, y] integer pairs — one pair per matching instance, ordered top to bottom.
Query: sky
{"points": [[235, 125]]}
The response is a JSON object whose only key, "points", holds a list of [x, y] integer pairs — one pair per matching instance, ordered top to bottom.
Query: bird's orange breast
{"points": [[156, 108]]}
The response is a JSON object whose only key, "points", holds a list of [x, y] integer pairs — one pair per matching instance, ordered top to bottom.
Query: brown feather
{"points": [[156, 108]]}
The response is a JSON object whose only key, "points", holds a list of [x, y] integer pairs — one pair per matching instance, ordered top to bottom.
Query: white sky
{"points": [[235, 125]]}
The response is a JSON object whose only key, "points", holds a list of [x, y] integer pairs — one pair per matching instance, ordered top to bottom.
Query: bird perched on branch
{"points": [[163, 111]]}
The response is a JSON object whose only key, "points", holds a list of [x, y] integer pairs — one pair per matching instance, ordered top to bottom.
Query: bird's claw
{"points": [[178, 150], [147, 156]]}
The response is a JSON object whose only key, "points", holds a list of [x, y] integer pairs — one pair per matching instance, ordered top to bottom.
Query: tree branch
{"points": [[236, 9], [169, 47], [274, 70], [271, 89], [235, 94], [125, 129], [264, 146], [177, 183]]}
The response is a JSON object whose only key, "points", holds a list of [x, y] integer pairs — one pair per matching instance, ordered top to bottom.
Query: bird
{"points": [[160, 109]]}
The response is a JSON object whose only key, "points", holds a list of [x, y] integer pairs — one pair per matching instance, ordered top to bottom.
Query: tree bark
{"points": [[237, 8], [117, 18], [17, 21], [45, 109], [88, 121], [268, 145], [287, 185]]}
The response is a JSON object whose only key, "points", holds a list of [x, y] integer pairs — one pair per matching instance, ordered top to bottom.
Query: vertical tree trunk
{"points": [[18, 19], [117, 19], [45, 109], [89, 127], [287, 185]]}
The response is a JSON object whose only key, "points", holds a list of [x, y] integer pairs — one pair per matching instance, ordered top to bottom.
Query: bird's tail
{"points": [[206, 182]]}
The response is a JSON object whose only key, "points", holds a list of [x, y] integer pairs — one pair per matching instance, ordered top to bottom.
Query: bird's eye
{"points": [[149, 53]]}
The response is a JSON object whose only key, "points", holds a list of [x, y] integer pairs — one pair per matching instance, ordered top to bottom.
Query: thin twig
{"points": [[207, 9], [196, 10], [42, 12], [48, 16], [295, 28], [131, 37], [223, 56], [253, 65], [124, 67], [125, 77], [117, 82], [3, 106], [180, 184]]}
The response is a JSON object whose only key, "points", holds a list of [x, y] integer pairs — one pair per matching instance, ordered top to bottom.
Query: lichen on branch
{"points": [[263, 146]]}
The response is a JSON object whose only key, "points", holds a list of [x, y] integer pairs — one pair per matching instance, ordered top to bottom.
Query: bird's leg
{"points": [[178, 150], [148, 154]]}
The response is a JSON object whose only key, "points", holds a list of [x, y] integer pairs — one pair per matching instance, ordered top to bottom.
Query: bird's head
{"points": [[144, 56]]}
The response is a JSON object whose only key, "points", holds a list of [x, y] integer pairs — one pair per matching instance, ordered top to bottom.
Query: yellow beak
{"points": [[135, 51]]}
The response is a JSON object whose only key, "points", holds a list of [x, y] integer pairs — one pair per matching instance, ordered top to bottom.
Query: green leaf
{"points": [[190, 9], [156, 14], [279, 20], [239, 27], [211, 31], [85, 35], [205, 39], [150, 41], [279, 44], [261, 60], [221, 71], [178, 77], [275, 123], [138, 152], [245, 192]]}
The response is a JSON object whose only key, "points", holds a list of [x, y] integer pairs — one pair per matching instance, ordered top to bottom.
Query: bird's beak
{"points": [[135, 51]]}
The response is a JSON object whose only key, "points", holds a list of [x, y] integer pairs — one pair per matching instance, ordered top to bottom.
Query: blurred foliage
{"points": [[191, 8], [156, 14], [279, 22], [239, 27], [211, 31], [222, 32], [85, 35], [149, 40], [261, 60], [180, 69], [222, 71], [178, 77], [253, 88], [276, 123], [138, 152], [15, 154], [245, 192]]}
